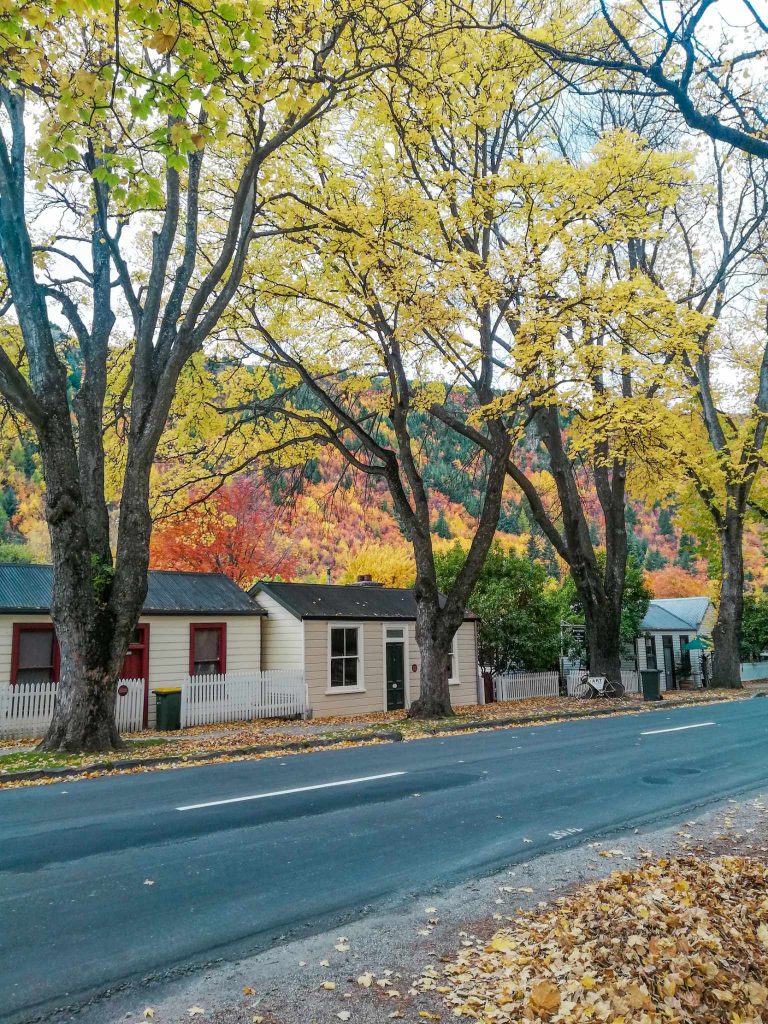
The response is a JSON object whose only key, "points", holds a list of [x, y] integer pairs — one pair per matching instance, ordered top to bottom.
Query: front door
{"points": [[136, 662], [669, 662], [395, 674]]}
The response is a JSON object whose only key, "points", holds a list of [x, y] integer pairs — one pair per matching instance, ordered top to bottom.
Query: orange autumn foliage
{"points": [[231, 532], [672, 581]]}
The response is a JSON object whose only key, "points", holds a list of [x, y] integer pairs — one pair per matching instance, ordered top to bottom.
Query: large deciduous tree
{"points": [[703, 58], [138, 142], [457, 248], [712, 261], [581, 341]]}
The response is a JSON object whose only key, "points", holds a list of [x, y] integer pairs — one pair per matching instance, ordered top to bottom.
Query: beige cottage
{"points": [[193, 623], [356, 645]]}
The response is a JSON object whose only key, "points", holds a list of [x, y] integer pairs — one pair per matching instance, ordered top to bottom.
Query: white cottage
{"points": [[192, 623], [669, 624], [356, 645]]}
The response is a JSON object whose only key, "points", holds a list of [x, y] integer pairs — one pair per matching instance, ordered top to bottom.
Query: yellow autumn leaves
{"points": [[681, 940]]}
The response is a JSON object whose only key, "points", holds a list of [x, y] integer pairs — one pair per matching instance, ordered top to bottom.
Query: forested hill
{"points": [[327, 520]]}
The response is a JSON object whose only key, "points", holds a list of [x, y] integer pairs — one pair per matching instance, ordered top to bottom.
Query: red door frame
{"points": [[142, 646]]}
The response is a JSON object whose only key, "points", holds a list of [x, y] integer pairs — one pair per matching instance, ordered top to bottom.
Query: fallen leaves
{"points": [[231, 743], [681, 940], [544, 999]]}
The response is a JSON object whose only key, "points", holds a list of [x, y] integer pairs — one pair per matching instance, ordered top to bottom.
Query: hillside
{"points": [[325, 520]]}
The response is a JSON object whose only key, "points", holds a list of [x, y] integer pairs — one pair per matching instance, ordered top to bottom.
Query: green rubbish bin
{"points": [[651, 678], [168, 707]]}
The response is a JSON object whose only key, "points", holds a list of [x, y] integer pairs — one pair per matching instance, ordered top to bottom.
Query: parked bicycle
{"points": [[593, 687]]}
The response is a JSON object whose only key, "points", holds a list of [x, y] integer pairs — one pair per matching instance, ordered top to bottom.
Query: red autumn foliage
{"points": [[232, 532]]}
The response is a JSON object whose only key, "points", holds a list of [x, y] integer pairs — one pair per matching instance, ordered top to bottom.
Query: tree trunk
{"points": [[95, 608], [603, 623], [434, 642], [726, 659], [84, 716]]}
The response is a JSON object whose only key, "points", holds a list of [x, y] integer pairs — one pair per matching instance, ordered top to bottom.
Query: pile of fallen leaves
{"points": [[680, 940]]}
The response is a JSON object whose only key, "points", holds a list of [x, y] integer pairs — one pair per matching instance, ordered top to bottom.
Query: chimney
{"points": [[328, 576], [365, 580]]}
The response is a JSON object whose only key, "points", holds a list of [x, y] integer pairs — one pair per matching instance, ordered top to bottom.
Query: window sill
{"points": [[454, 682], [336, 690]]}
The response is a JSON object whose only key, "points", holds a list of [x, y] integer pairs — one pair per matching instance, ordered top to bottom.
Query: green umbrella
{"points": [[699, 643]]}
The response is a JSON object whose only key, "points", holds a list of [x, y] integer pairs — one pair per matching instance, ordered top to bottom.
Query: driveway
{"points": [[107, 880]]}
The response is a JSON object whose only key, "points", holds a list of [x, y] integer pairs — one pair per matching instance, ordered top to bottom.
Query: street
{"points": [[107, 880]]}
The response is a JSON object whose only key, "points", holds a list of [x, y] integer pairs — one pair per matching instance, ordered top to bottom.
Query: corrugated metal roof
{"points": [[28, 588], [355, 601], [675, 613]]}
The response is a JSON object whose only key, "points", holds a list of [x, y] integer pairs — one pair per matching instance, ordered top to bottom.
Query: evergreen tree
{"points": [[441, 527], [666, 529], [686, 552], [654, 560]]}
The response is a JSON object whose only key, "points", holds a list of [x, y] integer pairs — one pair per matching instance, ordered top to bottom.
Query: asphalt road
{"points": [[106, 881]]}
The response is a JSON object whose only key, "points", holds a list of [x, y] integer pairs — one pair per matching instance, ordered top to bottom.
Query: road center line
{"points": [[677, 728], [287, 792]]}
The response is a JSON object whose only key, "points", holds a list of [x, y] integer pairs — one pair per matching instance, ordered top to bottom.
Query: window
{"points": [[207, 649], [650, 652], [35, 654], [345, 657], [453, 663]]}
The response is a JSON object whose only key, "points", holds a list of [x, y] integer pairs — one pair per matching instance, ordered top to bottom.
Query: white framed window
{"points": [[345, 658], [453, 662]]}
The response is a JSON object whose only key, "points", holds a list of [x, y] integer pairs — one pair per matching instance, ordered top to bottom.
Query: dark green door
{"points": [[395, 676]]}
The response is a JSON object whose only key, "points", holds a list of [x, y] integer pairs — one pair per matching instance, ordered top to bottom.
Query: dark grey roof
{"points": [[28, 588], [355, 601]]}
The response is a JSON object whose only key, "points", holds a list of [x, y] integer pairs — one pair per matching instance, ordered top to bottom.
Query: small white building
{"points": [[192, 623], [669, 624], [356, 645]]}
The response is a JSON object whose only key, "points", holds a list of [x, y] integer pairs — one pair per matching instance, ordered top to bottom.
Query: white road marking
{"points": [[677, 728], [287, 792], [563, 833]]}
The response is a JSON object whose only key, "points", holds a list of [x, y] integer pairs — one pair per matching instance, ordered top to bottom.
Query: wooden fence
{"points": [[519, 685], [242, 696], [27, 708]]}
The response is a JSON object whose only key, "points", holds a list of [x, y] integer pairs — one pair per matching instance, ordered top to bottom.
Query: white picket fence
{"points": [[629, 677], [520, 685], [242, 696], [26, 709], [129, 709]]}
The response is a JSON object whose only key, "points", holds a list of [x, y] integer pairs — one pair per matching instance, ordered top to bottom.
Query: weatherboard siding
{"points": [[707, 623], [282, 636], [168, 646], [677, 653], [373, 695]]}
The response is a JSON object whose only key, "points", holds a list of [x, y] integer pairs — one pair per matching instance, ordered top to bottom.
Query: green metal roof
{"points": [[27, 589], [675, 613]]}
